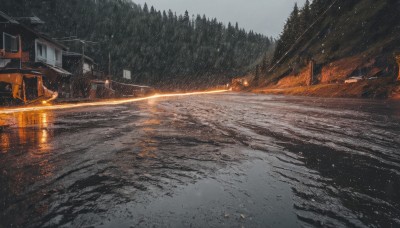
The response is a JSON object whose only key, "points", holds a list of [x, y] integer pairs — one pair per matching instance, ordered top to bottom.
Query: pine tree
{"points": [[318, 6], [145, 8], [186, 18], [305, 18], [294, 23], [291, 32]]}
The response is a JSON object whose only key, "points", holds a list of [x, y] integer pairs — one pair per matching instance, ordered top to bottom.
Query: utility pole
{"points": [[20, 51], [109, 56], [83, 57], [109, 63]]}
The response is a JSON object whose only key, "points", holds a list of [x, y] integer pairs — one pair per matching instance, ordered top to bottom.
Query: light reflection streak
{"points": [[103, 103], [26, 129], [4, 142], [149, 145], [25, 148]]}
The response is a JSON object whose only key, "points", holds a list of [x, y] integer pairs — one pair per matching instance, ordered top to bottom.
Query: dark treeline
{"points": [[160, 48]]}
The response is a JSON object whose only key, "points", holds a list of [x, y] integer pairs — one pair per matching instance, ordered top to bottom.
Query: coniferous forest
{"points": [[306, 21], [298, 23], [329, 30], [160, 48]]}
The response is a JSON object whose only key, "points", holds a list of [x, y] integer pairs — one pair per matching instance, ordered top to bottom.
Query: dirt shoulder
{"points": [[379, 89]]}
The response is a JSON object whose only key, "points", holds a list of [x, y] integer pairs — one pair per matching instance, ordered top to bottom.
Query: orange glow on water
{"points": [[102, 103], [25, 128], [4, 142]]}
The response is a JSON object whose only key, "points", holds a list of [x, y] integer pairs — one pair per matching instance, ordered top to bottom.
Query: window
{"points": [[10, 43], [41, 50], [57, 52], [58, 57]]}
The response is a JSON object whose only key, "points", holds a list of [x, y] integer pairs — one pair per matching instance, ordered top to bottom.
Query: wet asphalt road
{"points": [[226, 160]]}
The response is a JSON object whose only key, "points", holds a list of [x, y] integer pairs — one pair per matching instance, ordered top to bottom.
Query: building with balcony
{"points": [[21, 46]]}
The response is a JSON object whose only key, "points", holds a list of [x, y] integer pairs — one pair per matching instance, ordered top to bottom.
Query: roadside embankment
{"points": [[377, 89]]}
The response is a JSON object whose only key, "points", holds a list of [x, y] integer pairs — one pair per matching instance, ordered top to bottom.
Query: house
{"points": [[38, 51], [72, 62], [83, 69]]}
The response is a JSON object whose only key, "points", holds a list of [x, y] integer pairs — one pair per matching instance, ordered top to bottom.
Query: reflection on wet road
{"points": [[225, 160]]}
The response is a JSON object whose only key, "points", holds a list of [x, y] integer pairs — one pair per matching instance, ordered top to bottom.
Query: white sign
{"points": [[127, 74]]}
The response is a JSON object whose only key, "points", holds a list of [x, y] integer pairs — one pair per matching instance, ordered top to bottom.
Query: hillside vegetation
{"points": [[345, 38], [160, 48]]}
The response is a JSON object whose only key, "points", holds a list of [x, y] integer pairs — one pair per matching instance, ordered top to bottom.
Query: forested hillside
{"points": [[298, 23], [344, 38], [160, 48]]}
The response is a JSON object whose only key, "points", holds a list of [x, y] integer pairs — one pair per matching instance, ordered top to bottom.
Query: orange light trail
{"points": [[102, 103]]}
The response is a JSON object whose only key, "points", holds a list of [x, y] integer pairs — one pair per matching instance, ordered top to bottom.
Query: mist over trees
{"points": [[160, 48]]}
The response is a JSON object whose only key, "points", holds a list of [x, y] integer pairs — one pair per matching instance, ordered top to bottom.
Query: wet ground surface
{"points": [[227, 160]]}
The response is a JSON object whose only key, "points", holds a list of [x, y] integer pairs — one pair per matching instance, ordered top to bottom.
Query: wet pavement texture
{"points": [[226, 160]]}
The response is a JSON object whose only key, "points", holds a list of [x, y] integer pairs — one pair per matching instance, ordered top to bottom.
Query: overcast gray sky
{"points": [[262, 16]]}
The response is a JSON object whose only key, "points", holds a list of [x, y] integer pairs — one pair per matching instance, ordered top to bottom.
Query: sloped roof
{"points": [[7, 18], [31, 20], [36, 33], [77, 55], [17, 70], [58, 70]]}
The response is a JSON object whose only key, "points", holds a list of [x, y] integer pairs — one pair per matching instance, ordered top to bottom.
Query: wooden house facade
{"points": [[23, 47]]}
